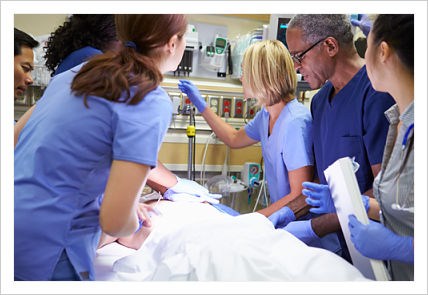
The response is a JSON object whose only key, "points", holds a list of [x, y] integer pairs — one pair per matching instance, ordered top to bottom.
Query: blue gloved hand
{"points": [[363, 23], [193, 93], [190, 191], [318, 195], [366, 202], [282, 217], [302, 229], [378, 242]]}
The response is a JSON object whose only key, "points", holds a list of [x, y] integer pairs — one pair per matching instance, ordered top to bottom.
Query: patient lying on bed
{"points": [[195, 241]]}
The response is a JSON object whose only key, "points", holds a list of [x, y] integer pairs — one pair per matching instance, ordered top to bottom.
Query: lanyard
{"points": [[406, 135], [396, 205]]}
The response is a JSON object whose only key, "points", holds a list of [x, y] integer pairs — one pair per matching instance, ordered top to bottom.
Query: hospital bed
{"points": [[196, 242]]}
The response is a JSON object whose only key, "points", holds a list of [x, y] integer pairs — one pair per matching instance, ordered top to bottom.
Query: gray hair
{"points": [[317, 26]]}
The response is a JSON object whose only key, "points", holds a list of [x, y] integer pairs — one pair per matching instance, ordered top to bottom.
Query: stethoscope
{"points": [[396, 205]]}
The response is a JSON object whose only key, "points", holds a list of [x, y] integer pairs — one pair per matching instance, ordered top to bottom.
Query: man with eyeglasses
{"points": [[348, 115]]}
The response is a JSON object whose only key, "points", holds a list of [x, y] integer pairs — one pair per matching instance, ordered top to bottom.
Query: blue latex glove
{"points": [[363, 23], [193, 93], [190, 191], [318, 195], [366, 202], [282, 217], [140, 222], [302, 229], [378, 242]]}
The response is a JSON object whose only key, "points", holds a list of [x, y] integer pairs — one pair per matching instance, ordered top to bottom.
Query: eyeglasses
{"points": [[299, 57]]}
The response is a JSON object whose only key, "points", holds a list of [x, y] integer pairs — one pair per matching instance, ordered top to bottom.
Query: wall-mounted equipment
{"points": [[278, 27], [192, 45], [207, 52], [213, 57], [214, 103], [226, 107], [238, 107], [251, 108], [250, 174]]}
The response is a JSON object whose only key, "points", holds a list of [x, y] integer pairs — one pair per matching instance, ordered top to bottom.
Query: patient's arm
{"points": [[160, 178], [325, 224], [322, 225], [105, 239], [135, 240]]}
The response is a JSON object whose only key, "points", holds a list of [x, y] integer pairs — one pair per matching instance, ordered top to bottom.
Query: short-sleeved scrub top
{"points": [[76, 58], [352, 124], [289, 147], [62, 162]]}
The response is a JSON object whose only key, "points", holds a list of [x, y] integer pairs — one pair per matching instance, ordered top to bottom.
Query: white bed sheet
{"points": [[195, 242], [105, 258]]}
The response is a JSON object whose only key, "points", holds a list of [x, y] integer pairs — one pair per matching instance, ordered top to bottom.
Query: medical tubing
{"points": [[203, 158], [225, 169], [262, 186], [258, 196]]}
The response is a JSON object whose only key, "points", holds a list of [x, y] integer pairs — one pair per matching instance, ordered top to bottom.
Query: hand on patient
{"points": [[193, 93], [190, 191], [318, 195], [145, 213], [282, 217], [302, 229]]}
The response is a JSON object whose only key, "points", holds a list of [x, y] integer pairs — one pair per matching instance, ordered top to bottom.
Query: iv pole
{"points": [[190, 131]]}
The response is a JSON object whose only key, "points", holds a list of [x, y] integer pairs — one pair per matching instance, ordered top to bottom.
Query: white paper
{"points": [[347, 200]]}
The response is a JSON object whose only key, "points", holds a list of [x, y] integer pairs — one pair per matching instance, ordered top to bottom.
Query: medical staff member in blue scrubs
{"points": [[79, 38], [390, 67], [347, 112], [283, 125], [97, 129]]}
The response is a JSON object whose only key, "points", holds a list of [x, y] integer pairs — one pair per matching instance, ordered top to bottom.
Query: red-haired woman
{"points": [[97, 129]]}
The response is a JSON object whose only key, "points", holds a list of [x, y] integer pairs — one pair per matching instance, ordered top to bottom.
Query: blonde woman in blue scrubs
{"points": [[283, 125]]}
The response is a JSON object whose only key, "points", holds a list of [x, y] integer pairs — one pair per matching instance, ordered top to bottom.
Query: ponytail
{"points": [[398, 31], [112, 75]]}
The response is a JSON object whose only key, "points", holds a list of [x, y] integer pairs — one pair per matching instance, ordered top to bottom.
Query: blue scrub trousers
{"points": [[64, 270]]}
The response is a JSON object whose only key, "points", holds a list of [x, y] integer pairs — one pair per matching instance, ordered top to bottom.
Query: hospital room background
{"points": [[215, 46], [214, 50]]}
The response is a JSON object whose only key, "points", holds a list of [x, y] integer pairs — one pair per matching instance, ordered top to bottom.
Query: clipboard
{"points": [[347, 199]]}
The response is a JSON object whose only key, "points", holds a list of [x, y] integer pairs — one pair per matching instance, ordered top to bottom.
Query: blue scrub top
{"points": [[76, 58], [353, 124], [289, 147], [62, 163]]}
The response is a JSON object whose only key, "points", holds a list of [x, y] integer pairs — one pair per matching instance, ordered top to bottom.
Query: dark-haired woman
{"points": [[78, 39], [389, 59], [97, 129]]}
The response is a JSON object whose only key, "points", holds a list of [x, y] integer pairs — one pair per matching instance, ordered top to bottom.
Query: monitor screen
{"points": [[282, 30], [220, 42]]}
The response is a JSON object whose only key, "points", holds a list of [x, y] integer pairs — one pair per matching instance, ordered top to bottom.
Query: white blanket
{"points": [[196, 242]]}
